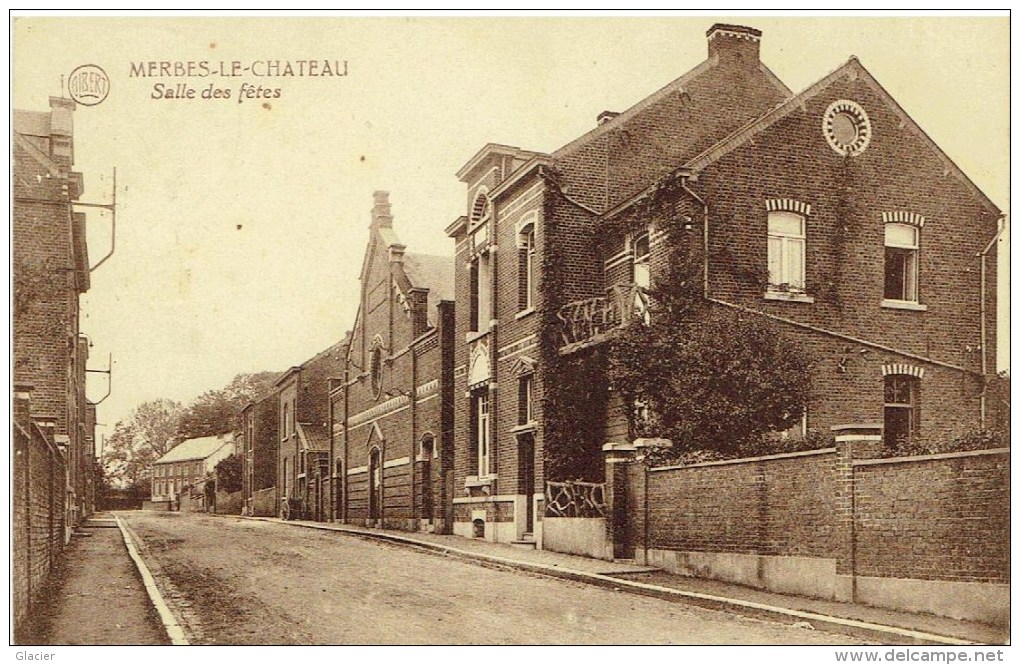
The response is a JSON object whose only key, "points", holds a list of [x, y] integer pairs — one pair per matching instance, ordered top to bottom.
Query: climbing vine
{"points": [[709, 379], [575, 391]]}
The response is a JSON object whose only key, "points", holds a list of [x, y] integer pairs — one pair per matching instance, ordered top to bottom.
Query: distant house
{"points": [[260, 448], [187, 464]]}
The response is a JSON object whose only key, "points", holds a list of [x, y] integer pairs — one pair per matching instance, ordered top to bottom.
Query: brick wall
{"points": [[773, 506], [38, 517], [937, 517], [945, 518]]}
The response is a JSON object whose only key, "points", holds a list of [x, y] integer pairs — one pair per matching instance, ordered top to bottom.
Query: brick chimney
{"points": [[734, 43], [606, 116], [62, 128], [381, 216]]}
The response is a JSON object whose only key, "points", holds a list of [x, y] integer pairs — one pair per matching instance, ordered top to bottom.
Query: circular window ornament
{"points": [[846, 127]]}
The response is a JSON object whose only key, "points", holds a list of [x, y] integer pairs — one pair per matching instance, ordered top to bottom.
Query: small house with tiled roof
{"points": [[391, 418], [187, 464]]}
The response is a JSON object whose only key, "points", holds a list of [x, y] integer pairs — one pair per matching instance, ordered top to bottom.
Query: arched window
{"points": [[787, 238], [641, 254], [526, 263], [428, 450], [374, 484]]}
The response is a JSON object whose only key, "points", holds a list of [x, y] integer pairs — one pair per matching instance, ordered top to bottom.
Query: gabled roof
{"points": [[852, 67], [656, 97], [749, 130], [433, 272], [313, 437], [196, 449]]}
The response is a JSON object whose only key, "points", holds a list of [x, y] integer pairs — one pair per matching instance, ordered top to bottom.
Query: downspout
{"points": [[984, 313]]}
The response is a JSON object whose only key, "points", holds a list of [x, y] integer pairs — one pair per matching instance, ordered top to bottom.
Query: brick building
{"points": [[876, 246], [51, 269], [303, 411], [391, 419], [53, 424], [260, 445], [186, 465]]}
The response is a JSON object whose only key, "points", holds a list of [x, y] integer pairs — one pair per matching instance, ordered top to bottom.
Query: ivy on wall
{"points": [[711, 380], [574, 388]]}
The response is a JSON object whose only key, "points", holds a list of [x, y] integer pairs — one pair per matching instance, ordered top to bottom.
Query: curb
{"points": [[170, 623], [850, 627]]}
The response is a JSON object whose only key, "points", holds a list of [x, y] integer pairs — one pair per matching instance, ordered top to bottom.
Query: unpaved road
{"points": [[237, 581]]}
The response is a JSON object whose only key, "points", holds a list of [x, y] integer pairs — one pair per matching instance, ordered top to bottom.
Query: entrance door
{"points": [[427, 450], [526, 470], [374, 485]]}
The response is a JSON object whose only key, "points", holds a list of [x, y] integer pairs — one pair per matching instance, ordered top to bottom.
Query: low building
{"points": [[187, 464]]}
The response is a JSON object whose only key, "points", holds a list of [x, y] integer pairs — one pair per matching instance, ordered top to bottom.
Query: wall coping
{"points": [[934, 457], [746, 460]]}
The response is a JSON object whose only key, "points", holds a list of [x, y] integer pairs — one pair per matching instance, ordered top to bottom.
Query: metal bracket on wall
{"points": [[112, 207], [109, 378]]}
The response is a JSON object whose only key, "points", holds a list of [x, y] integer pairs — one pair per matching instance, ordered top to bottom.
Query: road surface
{"points": [[235, 581]]}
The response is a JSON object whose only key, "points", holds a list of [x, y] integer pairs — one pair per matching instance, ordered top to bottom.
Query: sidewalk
{"points": [[95, 595], [888, 626]]}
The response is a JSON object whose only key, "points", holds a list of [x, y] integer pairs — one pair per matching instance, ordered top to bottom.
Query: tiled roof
{"points": [[314, 437], [194, 449]]}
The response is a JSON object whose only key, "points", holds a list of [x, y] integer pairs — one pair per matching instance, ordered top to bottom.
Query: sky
{"points": [[241, 224]]}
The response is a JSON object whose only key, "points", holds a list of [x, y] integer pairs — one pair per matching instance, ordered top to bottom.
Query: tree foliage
{"points": [[705, 377], [720, 381], [214, 412], [156, 426], [148, 434], [228, 474]]}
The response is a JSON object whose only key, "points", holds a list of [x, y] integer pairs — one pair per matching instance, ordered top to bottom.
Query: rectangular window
{"points": [[786, 249], [641, 254], [901, 262], [526, 267], [481, 294], [525, 399], [481, 409], [902, 416]]}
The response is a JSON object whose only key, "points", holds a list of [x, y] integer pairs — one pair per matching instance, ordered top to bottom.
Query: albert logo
{"points": [[88, 85]]}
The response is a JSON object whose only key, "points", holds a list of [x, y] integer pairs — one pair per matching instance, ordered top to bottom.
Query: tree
{"points": [[707, 378], [719, 382], [214, 412], [148, 434], [228, 474]]}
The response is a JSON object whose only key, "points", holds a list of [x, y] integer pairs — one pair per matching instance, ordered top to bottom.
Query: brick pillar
{"points": [[854, 441], [619, 458]]}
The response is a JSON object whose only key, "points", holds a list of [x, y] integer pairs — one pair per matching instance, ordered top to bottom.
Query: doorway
{"points": [[427, 451], [526, 475], [374, 485]]}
